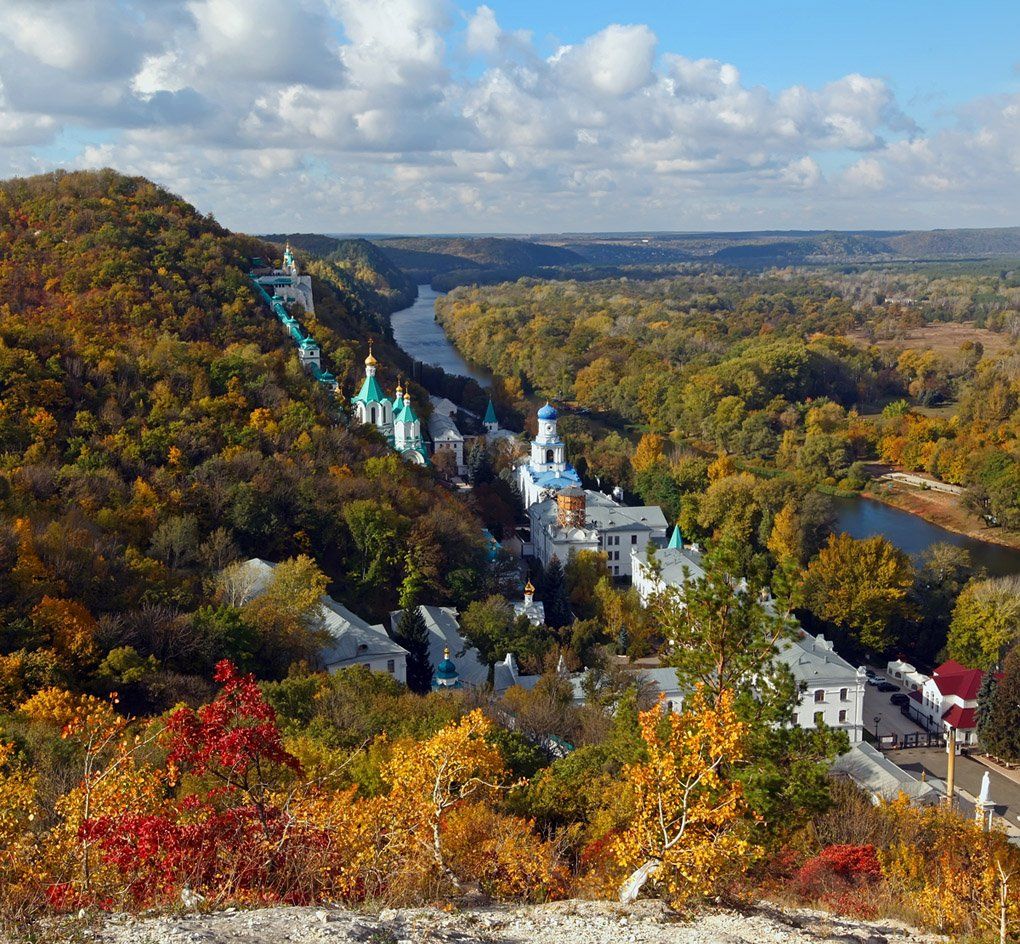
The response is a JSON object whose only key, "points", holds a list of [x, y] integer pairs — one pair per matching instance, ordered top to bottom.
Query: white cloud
{"points": [[483, 32], [350, 114]]}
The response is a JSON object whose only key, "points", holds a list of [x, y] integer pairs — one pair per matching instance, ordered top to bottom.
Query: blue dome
{"points": [[547, 413], [446, 669]]}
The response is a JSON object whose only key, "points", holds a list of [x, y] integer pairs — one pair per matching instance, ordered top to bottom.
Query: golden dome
{"points": [[370, 361], [528, 588]]}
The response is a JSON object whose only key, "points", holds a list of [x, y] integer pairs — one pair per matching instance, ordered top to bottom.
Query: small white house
{"points": [[446, 437], [673, 565], [906, 674], [832, 689]]}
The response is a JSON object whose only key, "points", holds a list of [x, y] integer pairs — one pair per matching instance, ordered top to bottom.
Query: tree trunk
{"points": [[632, 887]]}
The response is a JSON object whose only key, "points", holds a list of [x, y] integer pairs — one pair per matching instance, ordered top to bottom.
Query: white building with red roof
{"points": [[948, 699]]}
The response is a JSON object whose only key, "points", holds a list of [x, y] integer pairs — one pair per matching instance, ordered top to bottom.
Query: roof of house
{"points": [[370, 392], [443, 405], [442, 426], [553, 479], [604, 514], [676, 565], [444, 633], [352, 639], [813, 659], [955, 679], [963, 719], [871, 770]]}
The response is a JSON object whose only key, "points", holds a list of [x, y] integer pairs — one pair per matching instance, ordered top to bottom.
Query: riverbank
{"points": [[940, 508]]}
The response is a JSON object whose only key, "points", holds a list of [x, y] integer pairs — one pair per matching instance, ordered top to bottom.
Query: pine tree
{"points": [[479, 464], [557, 600], [413, 635], [986, 702], [1003, 721]]}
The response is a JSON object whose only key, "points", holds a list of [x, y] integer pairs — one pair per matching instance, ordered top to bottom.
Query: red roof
{"points": [[955, 679], [963, 719]]}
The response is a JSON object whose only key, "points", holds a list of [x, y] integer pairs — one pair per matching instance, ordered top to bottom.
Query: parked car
{"points": [[873, 680], [888, 687], [899, 699]]}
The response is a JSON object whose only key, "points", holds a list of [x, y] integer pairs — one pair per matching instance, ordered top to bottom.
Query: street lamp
{"points": [[876, 719]]}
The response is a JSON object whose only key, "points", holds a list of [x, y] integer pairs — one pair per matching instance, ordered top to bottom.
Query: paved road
{"points": [[877, 704], [1004, 792]]}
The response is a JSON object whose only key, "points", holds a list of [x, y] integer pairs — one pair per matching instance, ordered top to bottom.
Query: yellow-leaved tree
{"points": [[426, 780], [686, 830]]}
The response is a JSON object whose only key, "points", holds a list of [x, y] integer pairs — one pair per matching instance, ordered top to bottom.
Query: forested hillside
{"points": [[446, 262], [361, 267], [794, 372], [154, 426]]}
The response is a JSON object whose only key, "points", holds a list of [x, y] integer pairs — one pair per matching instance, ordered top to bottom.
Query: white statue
{"points": [[985, 785]]}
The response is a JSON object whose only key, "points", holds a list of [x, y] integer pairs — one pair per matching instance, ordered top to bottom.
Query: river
{"points": [[416, 330], [864, 517]]}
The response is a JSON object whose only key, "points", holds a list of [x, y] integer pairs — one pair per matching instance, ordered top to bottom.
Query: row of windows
{"points": [[613, 540], [843, 695], [820, 717]]}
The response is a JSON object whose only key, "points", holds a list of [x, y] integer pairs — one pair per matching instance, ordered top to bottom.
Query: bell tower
{"points": [[548, 452]]}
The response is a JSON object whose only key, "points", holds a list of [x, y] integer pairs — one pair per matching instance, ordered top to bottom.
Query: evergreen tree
{"points": [[479, 464], [557, 600], [413, 635], [986, 702], [1003, 722]]}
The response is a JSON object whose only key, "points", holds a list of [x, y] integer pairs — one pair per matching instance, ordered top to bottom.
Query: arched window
{"points": [[373, 414], [550, 456], [820, 695]]}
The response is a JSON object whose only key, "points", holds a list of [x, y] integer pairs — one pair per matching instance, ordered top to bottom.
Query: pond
{"points": [[417, 332], [864, 517]]}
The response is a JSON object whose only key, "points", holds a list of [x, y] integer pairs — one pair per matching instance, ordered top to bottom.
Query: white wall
{"points": [[377, 665]]}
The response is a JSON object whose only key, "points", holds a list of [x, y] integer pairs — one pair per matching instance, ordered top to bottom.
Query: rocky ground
{"points": [[567, 922]]}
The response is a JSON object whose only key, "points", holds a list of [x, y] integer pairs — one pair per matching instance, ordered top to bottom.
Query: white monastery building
{"points": [[288, 284], [579, 519]]}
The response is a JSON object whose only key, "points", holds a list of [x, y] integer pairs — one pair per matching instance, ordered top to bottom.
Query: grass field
{"points": [[945, 337]]}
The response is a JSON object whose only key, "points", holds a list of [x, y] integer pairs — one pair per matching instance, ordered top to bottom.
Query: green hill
{"points": [[155, 425]]}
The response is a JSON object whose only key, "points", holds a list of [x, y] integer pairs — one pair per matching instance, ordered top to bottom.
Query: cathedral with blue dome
{"points": [[547, 471]]}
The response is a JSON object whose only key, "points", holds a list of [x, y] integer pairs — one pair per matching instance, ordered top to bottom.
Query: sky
{"points": [[521, 116]]}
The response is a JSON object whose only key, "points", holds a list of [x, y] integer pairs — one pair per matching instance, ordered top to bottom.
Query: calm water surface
{"points": [[416, 330], [864, 517]]}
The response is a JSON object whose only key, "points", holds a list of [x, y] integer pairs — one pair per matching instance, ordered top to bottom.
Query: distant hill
{"points": [[797, 247], [448, 262], [359, 266]]}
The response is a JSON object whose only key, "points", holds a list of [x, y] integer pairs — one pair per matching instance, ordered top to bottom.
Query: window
{"points": [[373, 414], [550, 456], [633, 539], [391, 666], [842, 694], [819, 695], [842, 716], [819, 718], [795, 720]]}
